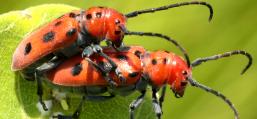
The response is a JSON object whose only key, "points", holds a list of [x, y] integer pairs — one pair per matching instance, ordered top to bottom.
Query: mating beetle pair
{"points": [[81, 32]]}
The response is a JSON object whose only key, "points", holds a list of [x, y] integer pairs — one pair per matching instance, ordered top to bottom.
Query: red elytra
{"points": [[45, 40], [87, 75]]}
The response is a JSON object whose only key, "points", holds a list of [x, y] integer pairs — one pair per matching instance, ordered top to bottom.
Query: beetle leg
{"points": [[109, 43], [118, 49], [88, 51], [113, 64], [39, 73], [105, 74], [40, 91], [161, 99], [136, 103], [156, 105], [76, 114]]}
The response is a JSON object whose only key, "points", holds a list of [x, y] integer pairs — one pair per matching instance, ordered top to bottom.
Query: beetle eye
{"points": [[117, 21], [184, 72]]}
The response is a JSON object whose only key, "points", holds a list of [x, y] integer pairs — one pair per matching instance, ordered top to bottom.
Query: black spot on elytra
{"points": [[101, 7], [98, 14], [72, 15], [89, 16], [58, 23], [71, 32], [117, 32], [48, 36], [27, 48], [138, 53], [122, 57], [154, 61], [164, 61], [76, 69], [133, 74]]}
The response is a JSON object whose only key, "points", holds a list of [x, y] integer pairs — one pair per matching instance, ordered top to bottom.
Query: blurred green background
{"points": [[234, 27]]}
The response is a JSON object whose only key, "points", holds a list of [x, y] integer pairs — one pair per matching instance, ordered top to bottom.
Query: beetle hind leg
{"points": [[114, 67], [39, 73], [105, 73], [40, 92], [161, 99], [77, 113]]}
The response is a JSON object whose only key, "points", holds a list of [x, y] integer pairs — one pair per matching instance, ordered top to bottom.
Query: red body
{"points": [[98, 22], [161, 68]]}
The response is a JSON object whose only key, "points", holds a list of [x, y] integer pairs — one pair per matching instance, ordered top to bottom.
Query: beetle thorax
{"points": [[104, 23], [157, 67]]}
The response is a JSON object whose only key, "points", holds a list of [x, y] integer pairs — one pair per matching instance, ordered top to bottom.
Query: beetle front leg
{"points": [[118, 49]]}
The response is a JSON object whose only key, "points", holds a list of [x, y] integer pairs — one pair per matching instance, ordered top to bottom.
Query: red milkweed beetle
{"points": [[81, 31], [141, 68]]}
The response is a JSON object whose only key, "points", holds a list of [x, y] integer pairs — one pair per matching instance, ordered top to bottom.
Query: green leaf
{"points": [[18, 97]]}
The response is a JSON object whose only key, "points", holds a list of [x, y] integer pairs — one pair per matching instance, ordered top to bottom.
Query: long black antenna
{"points": [[151, 10], [160, 36], [227, 54], [218, 94]]}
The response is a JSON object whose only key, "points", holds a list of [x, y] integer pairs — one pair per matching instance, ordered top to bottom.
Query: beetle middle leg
{"points": [[90, 50], [53, 63], [104, 73], [163, 92], [136, 103], [156, 105]]}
